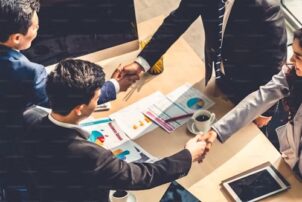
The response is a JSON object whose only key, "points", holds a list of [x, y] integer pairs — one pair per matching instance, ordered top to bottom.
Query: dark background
{"points": [[71, 28]]}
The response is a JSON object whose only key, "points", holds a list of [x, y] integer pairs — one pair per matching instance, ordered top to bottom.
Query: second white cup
{"points": [[203, 119]]}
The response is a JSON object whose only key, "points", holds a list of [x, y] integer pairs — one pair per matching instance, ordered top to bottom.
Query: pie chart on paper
{"points": [[195, 103], [97, 137]]}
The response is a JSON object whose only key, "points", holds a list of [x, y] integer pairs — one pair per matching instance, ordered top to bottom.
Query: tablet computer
{"points": [[255, 184], [177, 193]]}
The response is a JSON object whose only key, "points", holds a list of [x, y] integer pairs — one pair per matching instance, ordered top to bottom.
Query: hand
{"points": [[133, 68], [126, 81], [262, 121], [209, 138], [196, 148]]}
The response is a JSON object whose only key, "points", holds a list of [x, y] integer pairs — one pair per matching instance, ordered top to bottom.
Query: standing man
{"points": [[245, 42]]}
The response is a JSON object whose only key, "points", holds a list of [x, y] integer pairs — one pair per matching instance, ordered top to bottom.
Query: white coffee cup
{"points": [[203, 119], [122, 196]]}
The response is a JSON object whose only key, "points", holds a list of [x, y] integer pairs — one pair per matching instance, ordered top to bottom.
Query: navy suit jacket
{"points": [[23, 83]]}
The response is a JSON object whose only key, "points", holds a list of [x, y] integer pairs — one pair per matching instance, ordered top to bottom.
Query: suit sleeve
{"points": [[272, 16], [171, 29], [34, 77], [108, 93], [40, 97], [252, 106], [111, 172]]}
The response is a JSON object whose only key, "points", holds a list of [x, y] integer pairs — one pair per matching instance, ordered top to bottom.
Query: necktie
{"points": [[217, 65]]}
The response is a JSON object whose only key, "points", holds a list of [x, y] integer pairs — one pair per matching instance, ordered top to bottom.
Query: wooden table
{"points": [[245, 149]]}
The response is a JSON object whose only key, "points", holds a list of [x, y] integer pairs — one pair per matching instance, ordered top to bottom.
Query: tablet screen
{"points": [[255, 185]]}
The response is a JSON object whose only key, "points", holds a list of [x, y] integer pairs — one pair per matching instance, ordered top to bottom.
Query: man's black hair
{"points": [[16, 16], [298, 35], [72, 83]]}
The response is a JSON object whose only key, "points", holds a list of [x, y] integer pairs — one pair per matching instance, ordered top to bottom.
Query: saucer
{"points": [[192, 128]]}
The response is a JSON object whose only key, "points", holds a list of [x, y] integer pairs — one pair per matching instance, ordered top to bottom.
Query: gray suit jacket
{"points": [[256, 103]]}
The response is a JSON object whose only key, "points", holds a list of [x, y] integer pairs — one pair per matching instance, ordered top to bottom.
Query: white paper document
{"points": [[184, 100], [132, 120], [106, 133]]}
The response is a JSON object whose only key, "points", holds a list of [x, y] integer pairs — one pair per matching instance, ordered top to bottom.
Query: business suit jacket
{"points": [[254, 43], [23, 83], [289, 135], [68, 167]]}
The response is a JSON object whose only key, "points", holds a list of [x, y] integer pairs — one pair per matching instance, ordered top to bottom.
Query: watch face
{"points": [[72, 28]]}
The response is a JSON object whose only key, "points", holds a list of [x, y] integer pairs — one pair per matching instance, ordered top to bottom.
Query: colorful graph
{"points": [[195, 103], [141, 123], [97, 137], [120, 154]]}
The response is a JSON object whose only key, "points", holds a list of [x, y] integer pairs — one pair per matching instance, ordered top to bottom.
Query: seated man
{"points": [[22, 82], [67, 167]]}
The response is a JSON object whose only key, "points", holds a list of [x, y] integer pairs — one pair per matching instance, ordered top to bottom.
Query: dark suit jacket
{"points": [[254, 44], [22, 84], [65, 166]]}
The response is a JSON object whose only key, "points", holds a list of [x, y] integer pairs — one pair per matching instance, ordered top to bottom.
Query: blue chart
{"points": [[195, 103], [97, 137], [119, 153]]}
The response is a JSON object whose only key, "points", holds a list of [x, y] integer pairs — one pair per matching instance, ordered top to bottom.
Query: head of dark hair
{"points": [[16, 16], [298, 36], [72, 83], [294, 100]]}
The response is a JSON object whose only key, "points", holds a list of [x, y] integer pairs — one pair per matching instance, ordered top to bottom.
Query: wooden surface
{"points": [[244, 150]]}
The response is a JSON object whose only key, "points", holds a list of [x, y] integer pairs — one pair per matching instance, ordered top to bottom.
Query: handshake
{"points": [[127, 75], [200, 145]]}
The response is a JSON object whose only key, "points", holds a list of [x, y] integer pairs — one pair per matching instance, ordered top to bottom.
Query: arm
{"points": [[171, 29], [275, 32], [39, 83], [116, 84], [108, 92], [252, 106], [298, 167], [113, 173], [117, 174]]}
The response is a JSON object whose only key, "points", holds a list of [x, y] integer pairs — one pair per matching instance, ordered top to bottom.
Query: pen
{"points": [[178, 117]]}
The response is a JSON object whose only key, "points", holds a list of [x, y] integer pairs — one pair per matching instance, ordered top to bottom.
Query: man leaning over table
{"points": [[245, 43]]}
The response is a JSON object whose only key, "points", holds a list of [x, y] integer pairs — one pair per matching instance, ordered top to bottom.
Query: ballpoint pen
{"points": [[178, 117]]}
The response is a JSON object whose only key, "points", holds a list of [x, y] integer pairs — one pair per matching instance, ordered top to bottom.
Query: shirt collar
{"points": [[62, 124], [83, 133]]}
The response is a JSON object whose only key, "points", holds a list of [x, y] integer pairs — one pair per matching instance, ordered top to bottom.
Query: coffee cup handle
{"points": [[213, 117]]}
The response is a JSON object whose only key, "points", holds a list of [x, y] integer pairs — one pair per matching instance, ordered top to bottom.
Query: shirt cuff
{"points": [[142, 62], [116, 85], [218, 136]]}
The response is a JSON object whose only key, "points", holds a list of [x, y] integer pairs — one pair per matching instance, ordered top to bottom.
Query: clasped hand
{"points": [[125, 77]]}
